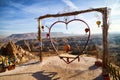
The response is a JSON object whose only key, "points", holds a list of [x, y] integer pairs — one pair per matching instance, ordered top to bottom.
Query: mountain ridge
{"points": [[26, 36]]}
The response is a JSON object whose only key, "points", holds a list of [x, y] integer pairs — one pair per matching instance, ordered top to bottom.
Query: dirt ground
{"points": [[53, 68]]}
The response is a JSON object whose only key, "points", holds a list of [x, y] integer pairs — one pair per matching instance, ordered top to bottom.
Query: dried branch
{"points": [[72, 13]]}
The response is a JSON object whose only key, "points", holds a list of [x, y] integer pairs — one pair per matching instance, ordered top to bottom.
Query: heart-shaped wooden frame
{"points": [[67, 22]]}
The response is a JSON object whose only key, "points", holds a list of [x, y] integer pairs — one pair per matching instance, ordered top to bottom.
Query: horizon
{"points": [[19, 16], [61, 32]]}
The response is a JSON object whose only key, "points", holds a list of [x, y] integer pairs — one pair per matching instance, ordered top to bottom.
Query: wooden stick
{"points": [[71, 13]]}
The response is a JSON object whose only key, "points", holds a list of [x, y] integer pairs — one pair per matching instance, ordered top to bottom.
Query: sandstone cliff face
{"points": [[9, 49], [17, 52]]}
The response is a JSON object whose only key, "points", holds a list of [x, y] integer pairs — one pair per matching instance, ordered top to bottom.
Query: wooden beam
{"points": [[71, 13]]}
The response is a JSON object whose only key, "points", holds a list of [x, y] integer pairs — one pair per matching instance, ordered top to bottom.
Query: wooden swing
{"points": [[104, 11], [70, 58]]}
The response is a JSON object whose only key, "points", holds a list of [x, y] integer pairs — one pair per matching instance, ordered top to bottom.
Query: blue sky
{"points": [[18, 16]]}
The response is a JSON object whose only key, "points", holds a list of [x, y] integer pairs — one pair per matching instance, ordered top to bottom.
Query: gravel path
{"points": [[52, 68]]}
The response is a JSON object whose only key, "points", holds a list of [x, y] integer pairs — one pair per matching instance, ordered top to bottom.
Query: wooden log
{"points": [[71, 13], [40, 40]]}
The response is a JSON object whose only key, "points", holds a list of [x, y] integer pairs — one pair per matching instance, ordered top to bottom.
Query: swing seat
{"points": [[67, 57]]}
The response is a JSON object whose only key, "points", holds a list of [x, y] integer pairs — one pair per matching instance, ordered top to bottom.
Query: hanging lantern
{"points": [[98, 23], [42, 28], [87, 29], [47, 35], [67, 47]]}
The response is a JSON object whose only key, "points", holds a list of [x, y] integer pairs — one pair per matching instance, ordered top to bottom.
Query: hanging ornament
{"points": [[66, 23], [98, 23], [66, 27], [43, 28], [87, 29], [47, 35], [67, 47]]}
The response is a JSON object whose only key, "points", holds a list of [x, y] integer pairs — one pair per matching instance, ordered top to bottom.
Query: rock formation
{"points": [[17, 52]]}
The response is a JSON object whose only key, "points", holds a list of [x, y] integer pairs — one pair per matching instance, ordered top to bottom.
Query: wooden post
{"points": [[40, 39], [78, 58], [105, 59]]}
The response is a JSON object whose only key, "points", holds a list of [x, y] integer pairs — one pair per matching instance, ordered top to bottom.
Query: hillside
{"points": [[22, 36], [26, 36], [113, 38], [31, 41], [52, 68]]}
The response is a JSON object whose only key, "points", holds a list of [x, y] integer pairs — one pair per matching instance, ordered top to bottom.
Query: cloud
{"points": [[70, 4], [115, 7], [36, 8], [33, 9], [116, 10], [18, 16]]}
